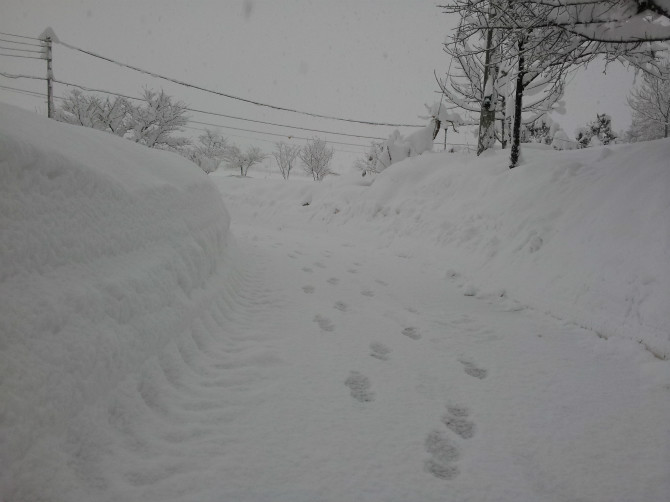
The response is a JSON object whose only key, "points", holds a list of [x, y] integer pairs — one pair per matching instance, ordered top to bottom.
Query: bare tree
{"points": [[628, 23], [541, 39], [537, 91], [650, 102], [79, 109], [111, 115], [114, 115], [157, 119], [152, 123], [209, 151], [285, 156], [316, 157], [243, 160]]}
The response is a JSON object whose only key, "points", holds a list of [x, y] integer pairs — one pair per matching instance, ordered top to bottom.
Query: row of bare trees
{"points": [[510, 58], [157, 120]]}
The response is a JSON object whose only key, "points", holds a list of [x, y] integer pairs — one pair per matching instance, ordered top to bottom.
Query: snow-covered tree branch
{"points": [[285, 155], [316, 157], [243, 160]]}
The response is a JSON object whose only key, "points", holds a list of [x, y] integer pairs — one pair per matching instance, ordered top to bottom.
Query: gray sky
{"points": [[364, 59]]}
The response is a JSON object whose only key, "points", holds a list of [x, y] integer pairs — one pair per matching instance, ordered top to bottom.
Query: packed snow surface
{"points": [[449, 331]]}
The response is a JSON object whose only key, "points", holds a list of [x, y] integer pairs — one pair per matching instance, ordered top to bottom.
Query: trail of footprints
{"points": [[441, 444], [444, 452]]}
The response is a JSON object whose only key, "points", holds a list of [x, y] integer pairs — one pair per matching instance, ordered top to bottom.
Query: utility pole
{"points": [[50, 76]]}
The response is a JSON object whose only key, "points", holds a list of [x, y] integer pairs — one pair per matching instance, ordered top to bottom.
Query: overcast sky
{"points": [[369, 60]]}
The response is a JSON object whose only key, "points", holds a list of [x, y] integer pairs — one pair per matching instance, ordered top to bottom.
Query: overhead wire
{"points": [[20, 36], [21, 43], [20, 50], [20, 56], [12, 75], [156, 75], [90, 89], [25, 91], [43, 95], [230, 96], [283, 125], [272, 134], [337, 149]]}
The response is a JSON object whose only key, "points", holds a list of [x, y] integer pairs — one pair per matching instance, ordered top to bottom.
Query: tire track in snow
{"points": [[161, 431]]}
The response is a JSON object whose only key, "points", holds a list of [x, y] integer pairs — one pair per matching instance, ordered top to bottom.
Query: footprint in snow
{"points": [[319, 264], [307, 269], [352, 271], [333, 281], [308, 289], [368, 293], [341, 306], [324, 323], [412, 333], [380, 351], [473, 370], [359, 385], [458, 411], [459, 425], [443, 455]]}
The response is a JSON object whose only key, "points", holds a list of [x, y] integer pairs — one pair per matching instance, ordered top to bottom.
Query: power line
{"points": [[20, 36], [21, 43], [20, 50], [19, 56], [11, 75], [91, 89], [25, 91], [37, 94], [42, 95], [230, 96], [222, 114], [282, 125], [272, 134], [266, 140]]}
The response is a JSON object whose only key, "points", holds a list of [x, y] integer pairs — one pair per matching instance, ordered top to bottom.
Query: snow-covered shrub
{"points": [[597, 132], [561, 141], [398, 147], [316, 157]]}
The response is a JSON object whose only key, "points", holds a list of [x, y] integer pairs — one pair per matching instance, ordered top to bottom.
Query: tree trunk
{"points": [[518, 101], [487, 115], [503, 131]]}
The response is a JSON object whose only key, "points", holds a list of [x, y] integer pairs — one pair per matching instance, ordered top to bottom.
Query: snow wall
{"points": [[582, 235], [109, 251]]}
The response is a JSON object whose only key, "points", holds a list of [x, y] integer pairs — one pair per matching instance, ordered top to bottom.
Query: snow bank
{"points": [[583, 235], [107, 251]]}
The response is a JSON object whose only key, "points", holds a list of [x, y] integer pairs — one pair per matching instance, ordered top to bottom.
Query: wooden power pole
{"points": [[50, 76]]}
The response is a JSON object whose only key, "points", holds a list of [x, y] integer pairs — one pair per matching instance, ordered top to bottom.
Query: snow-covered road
{"points": [[344, 341], [346, 373]]}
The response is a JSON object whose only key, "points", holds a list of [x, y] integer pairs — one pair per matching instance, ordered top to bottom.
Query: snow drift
{"points": [[582, 235], [107, 252]]}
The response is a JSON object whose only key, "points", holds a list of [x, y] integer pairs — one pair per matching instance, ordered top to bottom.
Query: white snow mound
{"points": [[582, 235], [107, 251]]}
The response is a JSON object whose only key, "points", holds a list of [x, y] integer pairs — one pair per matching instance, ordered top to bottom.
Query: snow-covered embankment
{"points": [[582, 235], [108, 252]]}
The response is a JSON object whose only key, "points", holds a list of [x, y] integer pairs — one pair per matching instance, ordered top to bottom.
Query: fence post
{"points": [[50, 76]]}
